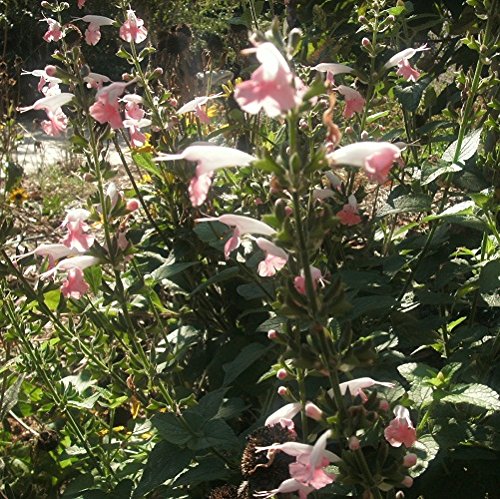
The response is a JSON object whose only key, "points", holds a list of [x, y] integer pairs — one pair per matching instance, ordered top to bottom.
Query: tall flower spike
{"points": [[271, 86], [209, 158], [376, 158]]}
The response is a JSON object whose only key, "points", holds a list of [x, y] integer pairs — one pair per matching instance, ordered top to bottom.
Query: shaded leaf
{"points": [[469, 147], [244, 359], [165, 462]]}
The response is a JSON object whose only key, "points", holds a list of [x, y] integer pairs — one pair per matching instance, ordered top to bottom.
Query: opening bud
{"points": [[272, 334], [282, 374], [282, 391], [313, 411], [354, 443], [410, 460], [407, 482]]}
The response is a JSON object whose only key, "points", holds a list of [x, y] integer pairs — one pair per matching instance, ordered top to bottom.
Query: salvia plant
{"points": [[289, 285]]}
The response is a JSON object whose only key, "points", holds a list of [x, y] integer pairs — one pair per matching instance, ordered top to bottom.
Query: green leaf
{"points": [[410, 96], [469, 147], [145, 160], [431, 174], [14, 175], [406, 204], [168, 270], [224, 275], [93, 277], [489, 278], [253, 291], [51, 299], [369, 304], [243, 360], [415, 372], [474, 394], [11, 396], [209, 404], [170, 428], [216, 433], [426, 449], [165, 462], [208, 470]]}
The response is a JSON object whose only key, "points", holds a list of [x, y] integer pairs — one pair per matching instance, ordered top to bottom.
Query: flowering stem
{"points": [[138, 192]]}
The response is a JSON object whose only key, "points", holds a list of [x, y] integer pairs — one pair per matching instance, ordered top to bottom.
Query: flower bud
{"points": [[46, 5], [391, 18], [362, 19], [366, 42], [50, 70], [158, 71], [127, 77], [173, 102], [348, 130], [364, 135], [132, 204], [288, 211], [272, 334], [282, 374], [282, 391], [384, 405], [313, 411], [354, 443], [410, 460], [407, 482], [400, 494]]}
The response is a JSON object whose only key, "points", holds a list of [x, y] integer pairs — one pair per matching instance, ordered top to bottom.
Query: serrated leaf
{"points": [[469, 147], [243, 360], [415, 372], [474, 394], [209, 404], [170, 428], [216, 433], [426, 449], [165, 462]]}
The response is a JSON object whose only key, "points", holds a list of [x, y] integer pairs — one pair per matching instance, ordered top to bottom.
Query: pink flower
{"points": [[81, 3], [133, 30], [54, 32], [92, 34], [401, 60], [331, 69], [407, 71], [44, 77], [95, 80], [271, 86], [354, 101], [49, 103], [195, 106], [106, 109], [57, 122], [209, 158], [376, 158], [348, 215], [241, 225], [77, 236], [52, 252], [274, 260], [81, 262], [299, 282], [74, 286], [356, 386], [313, 411], [284, 416], [400, 430], [307, 473]]}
